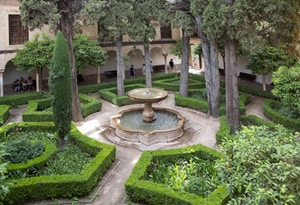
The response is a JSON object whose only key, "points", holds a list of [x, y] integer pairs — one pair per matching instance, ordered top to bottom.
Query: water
{"points": [[134, 120]]}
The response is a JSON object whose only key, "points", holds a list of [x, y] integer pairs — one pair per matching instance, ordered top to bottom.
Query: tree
{"points": [[59, 15], [147, 15], [182, 18], [113, 19], [251, 25], [199, 51], [87, 52], [210, 54], [35, 55], [267, 60], [287, 86], [60, 88]]}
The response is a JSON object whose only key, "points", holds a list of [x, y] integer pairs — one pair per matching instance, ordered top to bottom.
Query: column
{"points": [[166, 63], [1, 83]]}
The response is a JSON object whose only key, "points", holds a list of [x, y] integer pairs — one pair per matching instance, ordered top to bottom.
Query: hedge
{"points": [[20, 99], [4, 113], [35, 113], [279, 118], [65, 186], [141, 190]]}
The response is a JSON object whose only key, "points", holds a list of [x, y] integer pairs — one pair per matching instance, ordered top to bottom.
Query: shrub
{"points": [[23, 150], [261, 166], [3, 179]]}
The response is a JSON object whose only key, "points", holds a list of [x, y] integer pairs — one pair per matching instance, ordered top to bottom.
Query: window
{"points": [[166, 32], [18, 34]]}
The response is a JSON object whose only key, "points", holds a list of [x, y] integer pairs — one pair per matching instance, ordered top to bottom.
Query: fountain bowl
{"points": [[147, 95], [152, 136]]}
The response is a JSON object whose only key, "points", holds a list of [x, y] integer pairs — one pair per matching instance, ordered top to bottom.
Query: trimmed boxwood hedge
{"points": [[20, 99], [34, 112], [4, 113], [277, 117], [56, 186], [143, 191]]}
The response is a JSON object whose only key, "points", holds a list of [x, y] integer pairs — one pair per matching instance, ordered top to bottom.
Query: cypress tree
{"points": [[60, 88]]}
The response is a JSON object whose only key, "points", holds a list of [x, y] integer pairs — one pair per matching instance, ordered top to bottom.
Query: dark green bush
{"points": [[22, 150]]}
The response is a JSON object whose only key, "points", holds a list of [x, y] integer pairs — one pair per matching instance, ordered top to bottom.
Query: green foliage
{"points": [[177, 49], [198, 50], [87, 52], [35, 54], [268, 59], [287, 86], [60, 87], [22, 150], [261, 166], [193, 175], [59, 186], [4, 189]]}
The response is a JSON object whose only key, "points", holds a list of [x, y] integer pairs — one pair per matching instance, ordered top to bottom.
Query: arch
{"points": [[5, 58], [136, 58], [111, 61]]}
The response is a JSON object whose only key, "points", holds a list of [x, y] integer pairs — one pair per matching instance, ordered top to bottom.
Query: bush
{"points": [[23, 150], [261, 166]]}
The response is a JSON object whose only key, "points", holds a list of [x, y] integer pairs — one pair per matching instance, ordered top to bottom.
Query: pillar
{"points": [[166, 63], [1, 83]]}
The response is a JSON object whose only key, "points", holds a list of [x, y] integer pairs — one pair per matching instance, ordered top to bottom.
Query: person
{"points": [[171, 64], [144, 68], [132, 73], [29, 83], [23, 84], [16, 85]]}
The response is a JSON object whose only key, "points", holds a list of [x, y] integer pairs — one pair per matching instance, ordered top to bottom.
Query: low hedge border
{"points": [[168, 84], [241, 87], [111, 95], [20, 99], [202, 105], [4, 113], [33, 114], [277, 117], [246, 120], [50, 149], [56, 186], [140, 190]]}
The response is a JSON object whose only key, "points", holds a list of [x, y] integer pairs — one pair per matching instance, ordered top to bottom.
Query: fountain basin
{"points": [[147, 96], [149, 136]]}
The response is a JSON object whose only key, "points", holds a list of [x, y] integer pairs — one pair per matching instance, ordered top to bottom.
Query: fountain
{"points": [[148, 96], [148, 125]]}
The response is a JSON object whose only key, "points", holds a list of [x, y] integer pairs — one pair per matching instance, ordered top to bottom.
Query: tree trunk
{"points": [[68, 18], [67, 22], [147, 64], [120, 67], [184, 71], [212, 76], [231, 80], [264, 82]]}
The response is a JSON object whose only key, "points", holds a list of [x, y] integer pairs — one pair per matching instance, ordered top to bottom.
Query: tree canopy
{"points": [[287, 86]]}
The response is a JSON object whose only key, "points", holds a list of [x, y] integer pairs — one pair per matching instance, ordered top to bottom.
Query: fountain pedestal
{"points": [[148, 113]]}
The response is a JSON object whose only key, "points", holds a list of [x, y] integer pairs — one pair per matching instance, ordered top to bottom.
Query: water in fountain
{"points": [[134, 120]]}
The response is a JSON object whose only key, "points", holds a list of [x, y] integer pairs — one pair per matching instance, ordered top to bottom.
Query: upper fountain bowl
{"points": [[147, 95]]}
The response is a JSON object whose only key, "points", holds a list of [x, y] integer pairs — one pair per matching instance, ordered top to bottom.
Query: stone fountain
{"points": [[147, 96], [148, 125]]}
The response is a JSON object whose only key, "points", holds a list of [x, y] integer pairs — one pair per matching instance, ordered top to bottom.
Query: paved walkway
{"points": [[111, 190]]}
